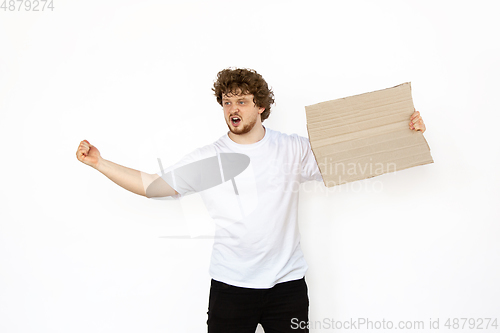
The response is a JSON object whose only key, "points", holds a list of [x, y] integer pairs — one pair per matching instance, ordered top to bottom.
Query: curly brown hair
{"points": [[236, 81]]}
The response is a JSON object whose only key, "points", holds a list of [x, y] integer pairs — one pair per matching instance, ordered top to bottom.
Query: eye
{"points": [[242, 102]]}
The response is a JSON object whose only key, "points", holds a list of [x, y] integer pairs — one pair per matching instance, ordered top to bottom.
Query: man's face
{"points": [[241, 113]]}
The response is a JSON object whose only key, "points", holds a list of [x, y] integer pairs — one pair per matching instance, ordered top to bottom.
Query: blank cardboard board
{"points": [[365, 135]]}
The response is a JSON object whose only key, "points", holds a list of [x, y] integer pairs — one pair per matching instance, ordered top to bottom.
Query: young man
{"points": [[257, 265]]}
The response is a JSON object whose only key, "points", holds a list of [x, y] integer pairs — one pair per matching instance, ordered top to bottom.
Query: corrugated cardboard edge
{"points": [[314, 154]]}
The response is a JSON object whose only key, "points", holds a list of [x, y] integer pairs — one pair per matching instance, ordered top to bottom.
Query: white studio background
{"points": [[80, 254]]}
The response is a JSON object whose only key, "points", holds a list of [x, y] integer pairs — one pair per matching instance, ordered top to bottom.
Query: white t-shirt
{"points": [[257, 241]]}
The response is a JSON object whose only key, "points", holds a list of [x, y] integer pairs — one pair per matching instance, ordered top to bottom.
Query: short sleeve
{"points": [[309, 166], [186, 176]]}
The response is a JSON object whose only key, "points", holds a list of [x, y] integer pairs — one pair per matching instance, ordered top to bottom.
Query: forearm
{"points": [[130, 179], [138, 182]]}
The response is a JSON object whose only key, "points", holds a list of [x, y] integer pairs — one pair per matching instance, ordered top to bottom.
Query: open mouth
{"points": [[235, 121]]}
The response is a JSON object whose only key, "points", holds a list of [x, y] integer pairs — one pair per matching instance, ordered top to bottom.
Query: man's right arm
{"points": [[132, 180]]}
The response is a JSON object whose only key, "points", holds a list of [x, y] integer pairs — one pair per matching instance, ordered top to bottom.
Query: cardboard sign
{"points": [[365, 135]]}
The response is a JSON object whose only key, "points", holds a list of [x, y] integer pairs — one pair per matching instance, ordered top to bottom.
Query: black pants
{"points": [[238, 310]]}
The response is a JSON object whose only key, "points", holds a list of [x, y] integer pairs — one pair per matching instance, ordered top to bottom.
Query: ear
{"points": [[261, 110]]}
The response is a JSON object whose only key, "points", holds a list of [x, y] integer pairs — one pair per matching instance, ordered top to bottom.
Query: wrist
{"points": [[101, 164]]}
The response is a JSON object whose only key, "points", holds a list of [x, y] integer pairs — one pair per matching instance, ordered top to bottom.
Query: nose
{"points": [[233, 109]]}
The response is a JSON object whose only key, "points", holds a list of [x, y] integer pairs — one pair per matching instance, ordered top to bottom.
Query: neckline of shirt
{"points": [[251, 145]]}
